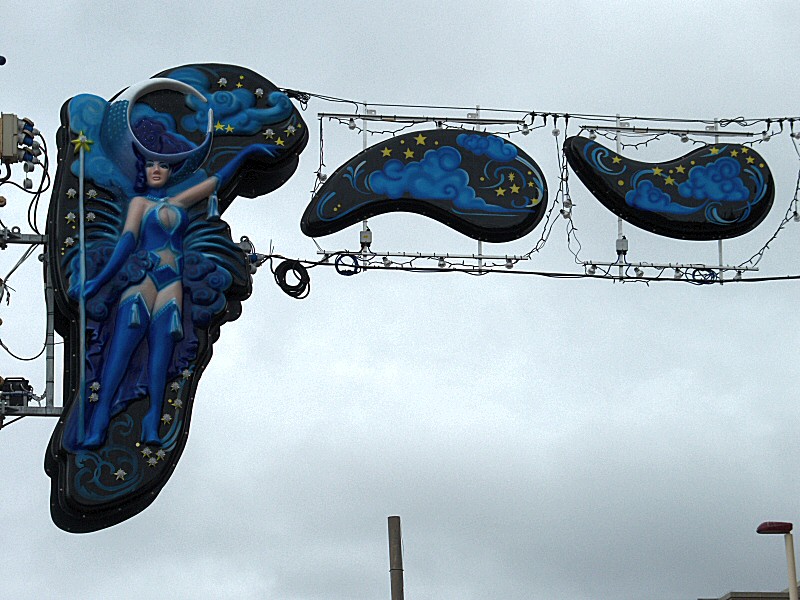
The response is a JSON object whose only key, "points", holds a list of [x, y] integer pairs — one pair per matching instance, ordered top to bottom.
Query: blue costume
{"points": [[162, 228]]}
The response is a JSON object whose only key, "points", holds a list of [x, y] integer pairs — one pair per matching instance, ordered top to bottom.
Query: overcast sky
{"points": [[540, 438]]}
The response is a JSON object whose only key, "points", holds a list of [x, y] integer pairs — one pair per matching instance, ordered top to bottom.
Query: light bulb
{"points": [[351, 123], [525, 130], [556, 132], [592, 134], [685, 138], [386, 261], [509, 263], [442, 264], [592, 270], [638, 272], [677, 274], [738, 276]]}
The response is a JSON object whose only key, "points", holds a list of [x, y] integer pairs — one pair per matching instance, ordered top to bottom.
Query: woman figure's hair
{"points": [[154, 136]]}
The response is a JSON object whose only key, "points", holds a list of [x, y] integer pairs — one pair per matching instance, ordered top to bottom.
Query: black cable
{"points": [[347, 270], [299, 290], [3, 425]]}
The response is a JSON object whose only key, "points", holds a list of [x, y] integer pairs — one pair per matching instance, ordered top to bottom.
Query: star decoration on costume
{"points": [[222, 82], [259, 92], [218, 126], [229, 128], [290, 130], [269, 134], [420, 140], [279, 142], [82, 143], [714, 150], [386, 152], [409, 153], [734, 153], [616, 160], [750, 160], [680, 169], [657, 170], [511, 176], [669, 181], [515, 189], [500, 191], [71, 193], [92, 194], [70, 217], [90, 217], [69, 242], [186, 373], [95, 386], [174, 386], [93, 397], [177, 403], [166, 419], [146, 451], [160, 455], [152, 461], [120, 474]]}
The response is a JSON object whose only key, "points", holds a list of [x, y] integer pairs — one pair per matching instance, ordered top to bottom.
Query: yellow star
{"points": [[238, 85], [219, 126], [229, 128], [420, 140], [280, 142], [82, 143], [714, 150], [745, 150], [386, 152], [409, 153], [734, 153], [617, 160], [750, 160], [680, 169], [657, 170], [511, 176], [669, 181], [530, 184], [515, 189], [500, 191]]}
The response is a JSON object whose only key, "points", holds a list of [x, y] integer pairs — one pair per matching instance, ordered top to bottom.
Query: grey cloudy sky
{"points": [[540, 438]]}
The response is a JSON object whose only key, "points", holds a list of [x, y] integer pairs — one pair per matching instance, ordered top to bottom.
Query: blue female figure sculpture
{"points": [[151, 306]]}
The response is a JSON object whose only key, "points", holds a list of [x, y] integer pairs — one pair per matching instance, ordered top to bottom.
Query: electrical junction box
{"points": [[8, 137]]}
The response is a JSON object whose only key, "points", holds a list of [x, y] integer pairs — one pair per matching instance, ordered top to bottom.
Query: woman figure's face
{"points": [[157, 173]]}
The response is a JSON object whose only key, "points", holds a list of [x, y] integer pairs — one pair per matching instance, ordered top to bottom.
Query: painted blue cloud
{"points": [[236, 107], [86, 113], [492, 146], [437, 176], [718, 181], [648, 197]]}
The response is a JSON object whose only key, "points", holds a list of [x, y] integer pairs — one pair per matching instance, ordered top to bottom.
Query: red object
{"points": [[774, 527]]}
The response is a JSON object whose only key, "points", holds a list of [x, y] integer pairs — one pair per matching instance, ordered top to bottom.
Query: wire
{"points": [[299, 290], [22, 358], [12, 421]]}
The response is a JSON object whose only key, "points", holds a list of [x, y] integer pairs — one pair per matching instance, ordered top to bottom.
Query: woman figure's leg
{"points": [[132, 321], [165, 330]]}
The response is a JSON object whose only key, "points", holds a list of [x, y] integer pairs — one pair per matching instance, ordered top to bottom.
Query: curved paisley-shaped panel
{"points": [[475, 183], [714, 192]]}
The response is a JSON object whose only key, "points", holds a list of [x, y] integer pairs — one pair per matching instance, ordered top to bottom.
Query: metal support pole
{"points": [[619, 219], [49, 386], [396, 558], [790, 563]]}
